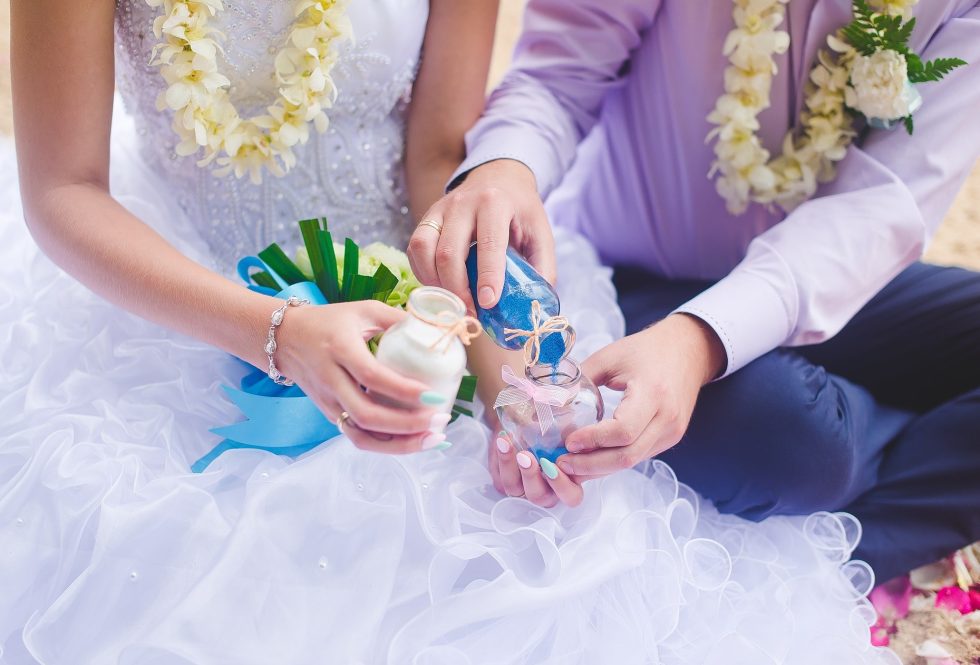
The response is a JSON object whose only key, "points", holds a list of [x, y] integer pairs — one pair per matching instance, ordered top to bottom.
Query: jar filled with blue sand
{"points": [[515, 311], [580, 406]]}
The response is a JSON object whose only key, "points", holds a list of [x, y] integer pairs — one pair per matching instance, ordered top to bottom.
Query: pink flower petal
{"points": [[954, 598], [891, 599], [975, 599]]}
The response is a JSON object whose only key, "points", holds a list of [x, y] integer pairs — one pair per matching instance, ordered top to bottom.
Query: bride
{"points": [[111, 551]]}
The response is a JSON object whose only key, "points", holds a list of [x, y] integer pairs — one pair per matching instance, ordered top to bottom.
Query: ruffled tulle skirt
{"points": [[111, 551]]}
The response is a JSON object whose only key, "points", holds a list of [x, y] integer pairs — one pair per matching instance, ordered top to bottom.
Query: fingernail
{"points": [[486, 296], [432, 398], [439, 422], [432, 440], [445, 445], [503, 445], [524, 460], [566, 467], [548, 468]]}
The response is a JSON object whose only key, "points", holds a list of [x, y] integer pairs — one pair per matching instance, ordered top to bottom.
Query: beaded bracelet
{"points": [[270, 343]]}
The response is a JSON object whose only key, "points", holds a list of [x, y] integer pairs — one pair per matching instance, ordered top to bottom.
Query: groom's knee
{"points": [[773, 438]]}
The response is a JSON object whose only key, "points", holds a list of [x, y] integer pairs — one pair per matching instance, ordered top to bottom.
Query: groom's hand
{"points": [[497, 205], [661, 371]]}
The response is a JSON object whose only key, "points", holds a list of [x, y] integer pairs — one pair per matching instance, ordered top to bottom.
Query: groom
{"points": [[780, 363]]}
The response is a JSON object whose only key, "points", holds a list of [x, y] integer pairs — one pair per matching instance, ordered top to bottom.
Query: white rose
{"points": [[878, 86]]}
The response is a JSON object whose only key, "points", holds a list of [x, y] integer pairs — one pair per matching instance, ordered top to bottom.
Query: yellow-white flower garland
{"points": [[205, 118], [743, 169]]}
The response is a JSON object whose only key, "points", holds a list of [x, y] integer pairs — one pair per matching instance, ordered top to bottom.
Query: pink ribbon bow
{"points": [[524, 390]]}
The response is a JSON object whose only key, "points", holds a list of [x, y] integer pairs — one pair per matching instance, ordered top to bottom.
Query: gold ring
{"points": [[432, 224], [342, 420]]}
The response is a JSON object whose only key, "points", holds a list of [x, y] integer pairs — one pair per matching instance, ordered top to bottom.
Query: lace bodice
{"points": [[352, 174]]}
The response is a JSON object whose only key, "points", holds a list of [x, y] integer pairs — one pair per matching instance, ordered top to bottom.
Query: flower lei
{"points": [[867, 73], [205, 119]]}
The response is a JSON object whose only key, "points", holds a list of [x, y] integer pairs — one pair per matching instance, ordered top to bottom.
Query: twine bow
{"points": [[541, 327], [465, 328], [524, 390]]}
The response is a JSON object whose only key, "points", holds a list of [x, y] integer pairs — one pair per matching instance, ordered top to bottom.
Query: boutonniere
{"points": [[884, 70], [869, 72]]}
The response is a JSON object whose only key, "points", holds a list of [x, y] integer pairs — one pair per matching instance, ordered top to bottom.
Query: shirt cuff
{"points": [[528, 148], [748, 315]]}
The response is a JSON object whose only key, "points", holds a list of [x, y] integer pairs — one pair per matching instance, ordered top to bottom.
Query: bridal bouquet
{"points": [[283, 419]]}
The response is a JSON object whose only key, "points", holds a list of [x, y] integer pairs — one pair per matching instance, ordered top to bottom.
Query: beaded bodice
{"points": [[352, 174]]}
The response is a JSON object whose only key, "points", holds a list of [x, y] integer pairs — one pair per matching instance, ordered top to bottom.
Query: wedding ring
{"points": [[432, 224], [342, 420]]}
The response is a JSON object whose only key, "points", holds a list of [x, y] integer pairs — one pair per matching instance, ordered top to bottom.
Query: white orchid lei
{"points": [[867, 71], [205, 118]]}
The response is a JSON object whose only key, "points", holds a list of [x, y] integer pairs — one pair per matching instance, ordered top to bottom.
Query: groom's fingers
{"points": [[492, 239], [539, 247], [422, 249], [451, 252], [631, 418], [605, 461]]}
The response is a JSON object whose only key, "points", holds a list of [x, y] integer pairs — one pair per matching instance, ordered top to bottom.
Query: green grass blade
{"points": [[277, 260], [329, 279]]}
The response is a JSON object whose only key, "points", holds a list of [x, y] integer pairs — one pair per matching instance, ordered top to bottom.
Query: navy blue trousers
{"points": [[882, 420]]}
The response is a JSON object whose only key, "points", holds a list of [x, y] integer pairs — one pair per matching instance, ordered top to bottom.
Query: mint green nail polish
{"points": [[432, 398], [445, 445], [548, 468]]}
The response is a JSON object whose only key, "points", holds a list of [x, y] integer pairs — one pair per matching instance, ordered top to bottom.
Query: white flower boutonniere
{"points": [[883, 70], [868, 72]]}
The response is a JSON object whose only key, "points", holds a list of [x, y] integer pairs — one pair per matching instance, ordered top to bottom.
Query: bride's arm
{"points": [[63, 71], [448, 96]]}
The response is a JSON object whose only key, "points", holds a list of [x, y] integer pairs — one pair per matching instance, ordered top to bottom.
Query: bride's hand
{"points": [[497, 205], [323, 350], [517, 473]]}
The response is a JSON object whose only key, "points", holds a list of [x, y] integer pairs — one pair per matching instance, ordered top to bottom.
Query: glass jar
{"points": [[522, 286], [421, 346], [581, 407]]}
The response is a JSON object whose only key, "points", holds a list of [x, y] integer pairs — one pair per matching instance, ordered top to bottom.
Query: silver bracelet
{"points": [[270, 342]]}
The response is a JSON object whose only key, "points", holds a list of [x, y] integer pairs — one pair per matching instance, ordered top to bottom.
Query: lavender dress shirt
{"points": [[637, 78]]}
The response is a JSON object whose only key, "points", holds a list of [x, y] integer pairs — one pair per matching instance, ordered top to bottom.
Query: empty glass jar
{"points": [[577, 404]]}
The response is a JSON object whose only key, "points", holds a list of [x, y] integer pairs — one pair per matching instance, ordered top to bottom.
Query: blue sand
{"points": [[522, 286], [551, 455]]}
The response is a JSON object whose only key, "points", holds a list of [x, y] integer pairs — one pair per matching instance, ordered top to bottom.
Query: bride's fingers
{"points": [[378, 379], [374, 417], [392, 445], [494, 468], [510, 472], [536, 488], [567, 490]]}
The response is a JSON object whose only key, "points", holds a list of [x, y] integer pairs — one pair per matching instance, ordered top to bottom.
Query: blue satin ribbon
{"points": [[279, 419]]}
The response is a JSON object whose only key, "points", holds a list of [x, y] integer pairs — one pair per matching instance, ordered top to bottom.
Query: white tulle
{"points": [[112, 552]]}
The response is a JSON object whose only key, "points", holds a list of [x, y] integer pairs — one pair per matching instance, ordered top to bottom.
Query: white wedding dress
{"points": [[111, 551]]}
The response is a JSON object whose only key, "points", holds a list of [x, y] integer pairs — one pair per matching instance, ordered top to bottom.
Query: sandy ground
{"points": [[958, 241]]}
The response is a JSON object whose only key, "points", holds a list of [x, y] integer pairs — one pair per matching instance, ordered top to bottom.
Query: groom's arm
{"points": [[570, 55], [806, 277], [803, 279]]}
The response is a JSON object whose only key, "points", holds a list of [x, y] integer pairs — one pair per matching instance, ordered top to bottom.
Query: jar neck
{"points": [[435, 306], [566, 374]]}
